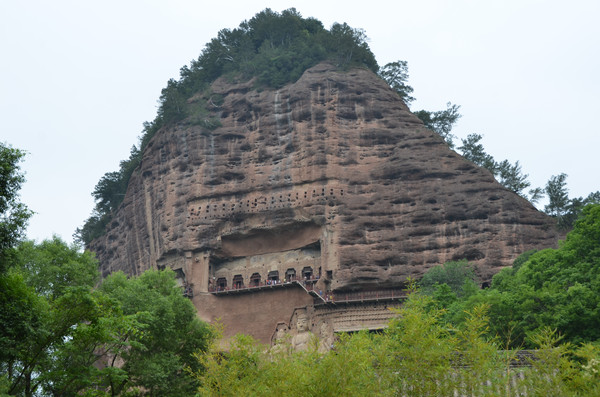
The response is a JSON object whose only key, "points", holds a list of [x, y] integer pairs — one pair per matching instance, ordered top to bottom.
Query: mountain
{"points": [[329, 176]]}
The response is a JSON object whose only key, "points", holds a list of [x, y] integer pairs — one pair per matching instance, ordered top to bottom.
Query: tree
{"points": [[349, 47], [396, 75], [441, 122], [473, 150], [508, 175], [512, 177], [536, 194], [558, 196], [575, 207], [13, 214], [459, 276], [552, 288], [48, 290], [169, 333], [61, 335]]}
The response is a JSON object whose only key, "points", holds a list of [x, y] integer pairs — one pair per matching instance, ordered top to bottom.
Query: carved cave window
{"points": [[307, 272], [290, 274], [273, 275], [255, 280], [238, 281], [221, 283]]}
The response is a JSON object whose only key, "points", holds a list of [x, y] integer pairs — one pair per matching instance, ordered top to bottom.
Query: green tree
{"points": [[349, 47], [274, 48], [396, 75], [441, 122], [473, 150], [508, 175], [511, 177], [558, 197], [575, 207], [13, 214], [459, 276], [554, 288], [48, 290], [169, 334], [61, 335], [418, 354]]}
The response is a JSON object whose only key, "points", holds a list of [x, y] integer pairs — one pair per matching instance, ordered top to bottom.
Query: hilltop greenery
{"points": [[272, 48]]}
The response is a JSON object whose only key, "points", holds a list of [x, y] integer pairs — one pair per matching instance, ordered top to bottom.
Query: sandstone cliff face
{"points": [[330, 176]]}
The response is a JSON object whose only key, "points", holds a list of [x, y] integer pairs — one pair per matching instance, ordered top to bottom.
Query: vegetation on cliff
{"points": [[272, 48], [552, 288]]}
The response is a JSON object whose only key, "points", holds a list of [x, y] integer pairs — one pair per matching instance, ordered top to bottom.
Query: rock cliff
{"points": [[331, 176]]}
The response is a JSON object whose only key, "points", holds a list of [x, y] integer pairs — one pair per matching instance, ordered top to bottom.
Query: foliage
{"points": [[273, 48], [396, 75], [441, 122], [473, 150], [508, 175], [511, 177], [558, 196], [560, 206], [13, 214], [458, 276], [552, 288], [45, 306], [56, 327], [167, 334], [418, 354]]}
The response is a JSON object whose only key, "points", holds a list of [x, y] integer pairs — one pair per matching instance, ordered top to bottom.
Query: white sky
{"points": [[78, 78]]}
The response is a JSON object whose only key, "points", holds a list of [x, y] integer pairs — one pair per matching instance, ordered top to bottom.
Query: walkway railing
{"points": [[307, 283], [324, 296], [360, 296]]}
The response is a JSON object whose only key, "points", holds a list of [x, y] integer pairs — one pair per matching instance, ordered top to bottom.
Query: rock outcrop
{"points": [[330, 177]]}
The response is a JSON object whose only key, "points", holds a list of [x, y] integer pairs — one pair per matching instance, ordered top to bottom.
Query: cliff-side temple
{"points": [[309, 207]]}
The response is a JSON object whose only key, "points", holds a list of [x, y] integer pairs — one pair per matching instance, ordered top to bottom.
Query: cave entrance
{"points": [[307, 273], [290, 274], [273, 275], [180, 277], [255, 280], [238, 281], [221, 283]]}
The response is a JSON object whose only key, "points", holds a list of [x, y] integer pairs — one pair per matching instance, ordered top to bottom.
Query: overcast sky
{"points": [[78, 78]]}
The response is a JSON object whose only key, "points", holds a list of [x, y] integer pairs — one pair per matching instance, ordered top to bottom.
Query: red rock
{"points": [[332, 172]]}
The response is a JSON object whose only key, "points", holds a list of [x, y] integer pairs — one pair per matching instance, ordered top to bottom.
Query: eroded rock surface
{"points": [[331, 177]]}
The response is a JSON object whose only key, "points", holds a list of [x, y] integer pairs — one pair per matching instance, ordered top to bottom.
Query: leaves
{"points": [[275, 48], [396, 75], [441, 122], [13, 214], [61, 335], [418, 354]]}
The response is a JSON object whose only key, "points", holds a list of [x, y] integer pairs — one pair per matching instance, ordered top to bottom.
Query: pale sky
{"points": [[78, 78]]}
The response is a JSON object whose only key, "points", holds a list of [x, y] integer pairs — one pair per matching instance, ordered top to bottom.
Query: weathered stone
{"points": [[332, 176]]}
